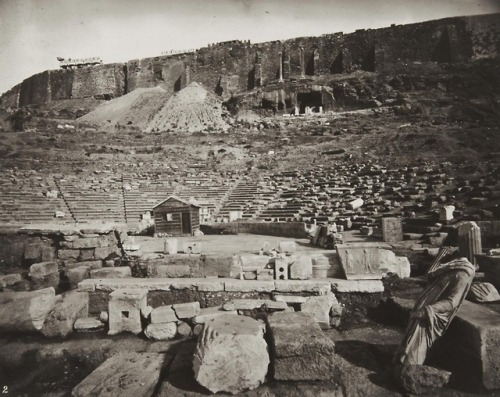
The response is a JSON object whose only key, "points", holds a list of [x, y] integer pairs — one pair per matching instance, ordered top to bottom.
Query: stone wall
{"points": [[237, 66], [280, 229], [68, 247]]}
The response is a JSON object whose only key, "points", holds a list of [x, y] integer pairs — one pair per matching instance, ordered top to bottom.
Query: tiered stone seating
{"points": [[143, 191], [94, 197], [249, 197], [24, 199]]}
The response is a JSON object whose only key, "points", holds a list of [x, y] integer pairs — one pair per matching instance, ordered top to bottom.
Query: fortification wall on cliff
{"points": [[237, 66]]}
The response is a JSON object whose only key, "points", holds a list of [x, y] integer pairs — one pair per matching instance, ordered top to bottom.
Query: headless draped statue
{"points": [[435, 309]]}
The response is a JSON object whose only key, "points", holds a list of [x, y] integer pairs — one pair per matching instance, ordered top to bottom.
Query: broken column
{"points": [[302, 63], [281, 66], [446, 213], [392, 230], [469, 240], [171, 246], [125, 310], [231, 354]]}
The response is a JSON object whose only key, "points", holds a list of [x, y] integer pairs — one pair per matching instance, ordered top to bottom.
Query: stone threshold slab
{"points": [[316, 286]]}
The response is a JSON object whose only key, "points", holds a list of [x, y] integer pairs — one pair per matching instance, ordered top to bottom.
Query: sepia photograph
{"points": [[255, 198]]}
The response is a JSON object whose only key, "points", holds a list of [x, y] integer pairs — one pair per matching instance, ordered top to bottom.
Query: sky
{"points": [[34, 32]]}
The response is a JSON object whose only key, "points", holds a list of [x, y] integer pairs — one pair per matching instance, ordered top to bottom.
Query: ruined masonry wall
{"points": [[230, 67], [26, 247]]}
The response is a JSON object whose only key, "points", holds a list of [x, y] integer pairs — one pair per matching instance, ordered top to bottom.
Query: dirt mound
{"points": [[135, 108], [192, 109]]}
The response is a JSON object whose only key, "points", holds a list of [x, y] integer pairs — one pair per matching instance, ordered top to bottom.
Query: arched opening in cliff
{"points": [[443, 51], [368, 63], [310, 65], [337, 66], [251, 79], [178, 84], [218, 88], [312, 100]]}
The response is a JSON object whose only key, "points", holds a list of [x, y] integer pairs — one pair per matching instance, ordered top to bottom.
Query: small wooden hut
{"points": [[176, 217]]}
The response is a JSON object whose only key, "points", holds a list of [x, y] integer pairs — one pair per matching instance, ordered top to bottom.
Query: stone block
{"points": [[392, 230], [92, 242], [171, 246], [287, 247], [33, 251], [104, 252], [65, 254], [86, 255], [360, 262], [251, 263], [390, 263], [91, 264], [216, 265], [301, 268], [43, 269], [281, 269], [168, 271], [111, 272], [265, 274], [44, 275], [77, 275], [10, 280], [209, 285], [248, 286], [362, 286], [318, 287], [482, 292], [290, 299], [252, 304], [70, 307], [320, 308], [125, 310], [186, 310], [25, 311], [210, 313], [163, 314], [88, 324], [183, 329], [161, 331], [474, 340], [300, 349], [231, 354], [124, 374], [422, 379]]}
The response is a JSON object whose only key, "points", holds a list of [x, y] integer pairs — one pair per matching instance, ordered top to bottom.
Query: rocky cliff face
{"points": [[235, 67]]}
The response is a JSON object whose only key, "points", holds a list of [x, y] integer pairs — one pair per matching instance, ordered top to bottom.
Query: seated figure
{"points": [[434, 310]]}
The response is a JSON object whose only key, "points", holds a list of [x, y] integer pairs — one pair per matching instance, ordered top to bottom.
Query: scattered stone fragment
{"points": [[287, 247], [390, 263], [301, 268], [111, 272], [44, 275], [77, 275], [10, 280], [482, 292], [250, 304], [320, 308], [125, 310], [186, 310], [25, 311], [146, 312], [209, 313], [163, 314], [104, 316], [60, 321], [88, 324], [183, 329], [161, 331], [300, 349], [231, 354], [124, 374], [420, 379]]}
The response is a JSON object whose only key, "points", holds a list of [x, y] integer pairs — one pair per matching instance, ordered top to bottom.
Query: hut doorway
{"points": [[186, 223]]}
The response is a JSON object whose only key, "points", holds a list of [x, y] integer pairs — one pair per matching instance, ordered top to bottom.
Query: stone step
{"points": [[124, 374]]}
